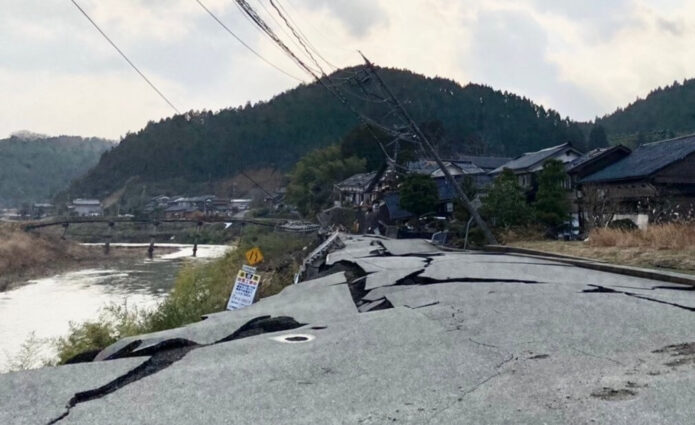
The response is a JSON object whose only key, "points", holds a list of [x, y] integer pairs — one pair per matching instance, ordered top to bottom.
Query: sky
{"points": [[581, 58]]}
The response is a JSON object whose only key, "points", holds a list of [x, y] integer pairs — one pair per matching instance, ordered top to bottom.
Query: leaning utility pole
{"points": [[428, 146]]}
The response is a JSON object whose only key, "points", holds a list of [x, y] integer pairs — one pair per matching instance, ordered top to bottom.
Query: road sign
{"points": [[254, 256], [244, 291]]}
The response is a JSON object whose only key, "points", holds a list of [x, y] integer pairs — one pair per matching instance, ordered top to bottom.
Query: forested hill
{"points": [[664, 113], [207, 147], [33, 168]]}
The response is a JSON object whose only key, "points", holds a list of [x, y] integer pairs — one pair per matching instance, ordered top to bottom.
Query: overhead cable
{"points": [[243, 43], [126, 57]]}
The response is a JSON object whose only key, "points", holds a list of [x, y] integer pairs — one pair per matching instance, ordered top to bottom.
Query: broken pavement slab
{"points": [[400, 247], [320, 300], [40, 396]]}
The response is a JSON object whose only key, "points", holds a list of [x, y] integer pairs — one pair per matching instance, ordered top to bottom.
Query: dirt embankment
{"points": [[25, 256]]}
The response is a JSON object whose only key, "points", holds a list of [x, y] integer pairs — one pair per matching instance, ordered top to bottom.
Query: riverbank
{"points": [[25, 256], [200, 289]]}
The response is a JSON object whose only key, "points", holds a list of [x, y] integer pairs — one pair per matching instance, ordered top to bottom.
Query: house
{"points": [[595, 161], [486, 163], [529, 164], [586, 165], [655, 182], [356, 190], [158, 203], [238, 205], [85, 207], [190, 207], [41, 210], [390, 211]]}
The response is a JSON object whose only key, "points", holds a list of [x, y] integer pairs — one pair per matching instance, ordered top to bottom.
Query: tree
{"points": [[597, 137], [361, 142], [313, 177], [418, 194], [505, 204], [552, 206], [597, 207]]}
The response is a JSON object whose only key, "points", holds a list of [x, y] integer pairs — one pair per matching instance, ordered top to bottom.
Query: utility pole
{"points": [[430, 149]]}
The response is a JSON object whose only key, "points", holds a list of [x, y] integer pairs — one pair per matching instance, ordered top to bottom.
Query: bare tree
{"points": [[597, 207]]}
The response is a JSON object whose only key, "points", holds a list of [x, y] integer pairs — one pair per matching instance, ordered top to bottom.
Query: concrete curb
{"points": [[587, 263]]}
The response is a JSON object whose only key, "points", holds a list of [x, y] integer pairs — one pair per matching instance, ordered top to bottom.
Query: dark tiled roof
{"points": [[596, 155], [530, 159], [646, 160], [484, 162], [422, 166], [468, 167], [360, 180], [393, 204]]}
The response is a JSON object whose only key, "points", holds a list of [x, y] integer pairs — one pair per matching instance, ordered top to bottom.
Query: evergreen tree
{"points": [[598, 137], [363, 142], [313, 177], [418, 194], [505, 204], [552, 204]]}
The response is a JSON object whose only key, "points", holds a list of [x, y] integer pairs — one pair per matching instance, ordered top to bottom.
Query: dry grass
{"points": [[520, 234], [663, 236], [20, 250], [25, 256], [681, 260]]}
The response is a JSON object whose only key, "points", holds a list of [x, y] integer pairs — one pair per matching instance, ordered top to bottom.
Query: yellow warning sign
{"points": [[254, 256]]}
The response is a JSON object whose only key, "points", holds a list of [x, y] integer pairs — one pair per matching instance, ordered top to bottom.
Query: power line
{"points": [[280, 25], [297, 36], [306, 39], [243, 43], [125, 57]]}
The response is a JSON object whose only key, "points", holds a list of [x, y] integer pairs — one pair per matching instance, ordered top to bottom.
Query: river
{"points": [[42, 309]]}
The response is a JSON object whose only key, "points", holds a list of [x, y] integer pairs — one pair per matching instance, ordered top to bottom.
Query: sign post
{"points": [[254, 256], [245, 287]]}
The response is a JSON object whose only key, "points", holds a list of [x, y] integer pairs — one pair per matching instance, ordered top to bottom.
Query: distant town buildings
{"points": [[196, 206], [85, 207]]}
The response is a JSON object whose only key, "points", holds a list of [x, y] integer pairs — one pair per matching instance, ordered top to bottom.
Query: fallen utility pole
{"points": [[428, 146]]}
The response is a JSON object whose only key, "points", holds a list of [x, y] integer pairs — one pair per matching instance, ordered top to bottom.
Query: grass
{"points": [[663, 236], [667, 246], [24, 253], [199, 289]]}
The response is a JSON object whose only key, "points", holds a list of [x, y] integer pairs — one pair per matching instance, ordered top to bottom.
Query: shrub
{"points": [[418, 194], [623, 224]]}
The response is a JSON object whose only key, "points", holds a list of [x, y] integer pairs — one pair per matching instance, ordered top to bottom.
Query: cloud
{"points": [[359, 16], [509, 52], [584, 59]]}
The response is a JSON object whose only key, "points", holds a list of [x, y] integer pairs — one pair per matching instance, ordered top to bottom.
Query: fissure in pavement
{"points": [[171, 351]]}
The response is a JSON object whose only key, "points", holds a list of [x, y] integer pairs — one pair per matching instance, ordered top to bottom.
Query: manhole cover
{"points": [[293, 338]]}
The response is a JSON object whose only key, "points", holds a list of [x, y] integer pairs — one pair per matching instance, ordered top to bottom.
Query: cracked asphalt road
{"points": [[408, 334]]}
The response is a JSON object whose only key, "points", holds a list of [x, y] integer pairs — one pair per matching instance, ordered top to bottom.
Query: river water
{"points": [[43, 308]]}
